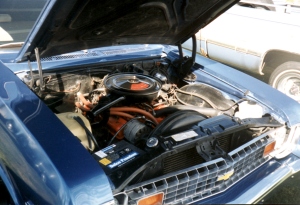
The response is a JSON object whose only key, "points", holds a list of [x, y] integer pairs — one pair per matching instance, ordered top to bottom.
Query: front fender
{"points": [[46, 162], [11, 188]]}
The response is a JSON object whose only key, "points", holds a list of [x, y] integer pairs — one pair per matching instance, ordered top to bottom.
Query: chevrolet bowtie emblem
{"points": [[225, 176]]}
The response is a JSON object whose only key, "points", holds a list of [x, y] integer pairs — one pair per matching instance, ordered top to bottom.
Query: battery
{"points": [[120, 160]]}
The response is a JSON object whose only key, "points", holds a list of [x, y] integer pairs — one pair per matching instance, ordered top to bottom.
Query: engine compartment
{"points": [[140, 120]]}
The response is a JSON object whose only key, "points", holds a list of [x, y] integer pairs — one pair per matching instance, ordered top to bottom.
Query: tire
{"points": [[286, 78]]}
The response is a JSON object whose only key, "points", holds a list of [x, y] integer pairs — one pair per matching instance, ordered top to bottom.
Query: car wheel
{"points": [[286, 78]]}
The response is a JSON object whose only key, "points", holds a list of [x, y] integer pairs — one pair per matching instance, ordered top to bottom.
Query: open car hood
{"points": [[71, 25]]}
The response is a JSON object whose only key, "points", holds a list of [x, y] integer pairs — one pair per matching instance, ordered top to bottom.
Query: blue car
{"points": [[100, 104]]}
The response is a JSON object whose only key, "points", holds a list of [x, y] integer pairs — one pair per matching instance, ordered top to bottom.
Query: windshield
{"points": [[17, 18]]}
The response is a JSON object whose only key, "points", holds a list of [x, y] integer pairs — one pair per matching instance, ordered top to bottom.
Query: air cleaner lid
{"points": [[132, 83]]}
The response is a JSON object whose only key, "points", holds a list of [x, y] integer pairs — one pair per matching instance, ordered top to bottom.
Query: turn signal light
{"points": [[269, 148], [156, 199]]}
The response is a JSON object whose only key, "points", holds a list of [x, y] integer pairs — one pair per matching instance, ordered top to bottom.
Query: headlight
{"points": [[285, 141]]}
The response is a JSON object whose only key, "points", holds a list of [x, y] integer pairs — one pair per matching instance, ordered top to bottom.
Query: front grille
{"points": [[225, 142], [191, 157], [181, 160], [206, 179]]}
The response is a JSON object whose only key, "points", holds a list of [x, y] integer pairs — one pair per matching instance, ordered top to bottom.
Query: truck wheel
{"points": [[286, 78]]}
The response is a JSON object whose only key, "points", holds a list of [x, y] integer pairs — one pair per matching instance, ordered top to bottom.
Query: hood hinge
{"points": [[186, 63]]}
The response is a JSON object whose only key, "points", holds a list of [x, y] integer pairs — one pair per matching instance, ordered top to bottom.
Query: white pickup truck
{"points": [[257, 38]]}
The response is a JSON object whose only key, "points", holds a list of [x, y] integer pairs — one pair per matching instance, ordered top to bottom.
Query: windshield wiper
{"points": [[12, 45]]}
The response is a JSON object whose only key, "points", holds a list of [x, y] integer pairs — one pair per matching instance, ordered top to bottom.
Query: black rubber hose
{"points": [[104, 101], [202, 110], [97, 111], [177, 121], [87, 131]]}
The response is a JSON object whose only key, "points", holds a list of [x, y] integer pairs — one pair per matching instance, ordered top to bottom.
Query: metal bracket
{"points": [[39, 64], [31, 74], [210, 150]]}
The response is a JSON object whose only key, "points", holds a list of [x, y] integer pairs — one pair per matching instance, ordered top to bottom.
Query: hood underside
{"points": [[66, 26]]}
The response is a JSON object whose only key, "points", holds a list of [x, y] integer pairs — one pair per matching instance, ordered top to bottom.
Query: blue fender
{"points": [[42, 157]]}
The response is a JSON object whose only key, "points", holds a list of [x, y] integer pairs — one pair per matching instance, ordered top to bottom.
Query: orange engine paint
{"points": [[139, 86], [160, 107], [159, 119], [114, 124]]}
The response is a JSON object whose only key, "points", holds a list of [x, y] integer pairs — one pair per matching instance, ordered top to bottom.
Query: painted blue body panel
{"points": [[95, 56], [41, 155], [5, 177]]}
